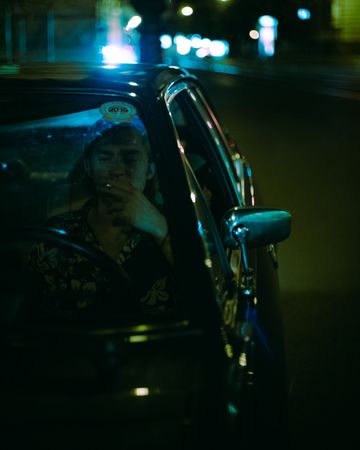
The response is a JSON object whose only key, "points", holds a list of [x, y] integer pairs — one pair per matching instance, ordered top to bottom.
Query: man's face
{"points": [[118, 159]]}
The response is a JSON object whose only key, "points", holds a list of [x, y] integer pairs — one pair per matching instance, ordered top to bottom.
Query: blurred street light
{"points": [[186, 10], [303, 14], [133, 23], [267, 26], [254, 34], [115, 54]]}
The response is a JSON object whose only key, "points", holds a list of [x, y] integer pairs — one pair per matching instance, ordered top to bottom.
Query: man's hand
{"points": [[130, 206]]}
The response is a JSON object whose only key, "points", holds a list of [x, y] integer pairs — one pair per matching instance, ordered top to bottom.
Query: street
{"points": [[304, 150]]}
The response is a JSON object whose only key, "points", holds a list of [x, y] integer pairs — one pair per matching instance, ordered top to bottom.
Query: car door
{"points": [[222, 173], [219, 183], [214, 189]]}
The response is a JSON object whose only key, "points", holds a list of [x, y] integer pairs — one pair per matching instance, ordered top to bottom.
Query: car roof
{"points": [[138, 77]]}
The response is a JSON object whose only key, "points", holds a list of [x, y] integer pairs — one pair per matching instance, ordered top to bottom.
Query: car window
{"points": [[204, 151], [36, 157], [41, 158], [230, 158], [213, 168], [84, 170], [207, 186], [215, 258]]}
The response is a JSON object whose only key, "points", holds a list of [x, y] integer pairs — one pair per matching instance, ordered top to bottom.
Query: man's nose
{"points": [[117, 167]]}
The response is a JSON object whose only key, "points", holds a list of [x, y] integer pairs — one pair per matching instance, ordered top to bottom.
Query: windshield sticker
{"points": [[118, 111]]}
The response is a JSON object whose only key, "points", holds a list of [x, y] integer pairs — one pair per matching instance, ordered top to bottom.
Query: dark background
{"points": [[304, 149]]}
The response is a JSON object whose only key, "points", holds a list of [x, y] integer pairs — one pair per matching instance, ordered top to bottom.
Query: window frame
{"points": [[195, 105], [218, 164]]}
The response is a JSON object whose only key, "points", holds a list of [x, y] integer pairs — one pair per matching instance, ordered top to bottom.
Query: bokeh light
{"points": [[187, 11], [303, 14], [254, 34], [115, 54]]}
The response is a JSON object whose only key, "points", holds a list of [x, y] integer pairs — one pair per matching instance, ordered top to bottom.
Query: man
{"points": [[120, 219]]}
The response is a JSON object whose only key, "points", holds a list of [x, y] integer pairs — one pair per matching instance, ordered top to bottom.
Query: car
{"points": [[212, 369]]}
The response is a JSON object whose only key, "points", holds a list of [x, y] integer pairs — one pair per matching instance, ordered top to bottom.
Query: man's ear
{"points": [[151, 171]]}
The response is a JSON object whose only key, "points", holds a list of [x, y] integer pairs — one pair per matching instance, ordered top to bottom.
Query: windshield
{"points": [[82, 214]]}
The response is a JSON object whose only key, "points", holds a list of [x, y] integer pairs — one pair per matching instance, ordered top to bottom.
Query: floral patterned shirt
{"points": [[74, 282]]}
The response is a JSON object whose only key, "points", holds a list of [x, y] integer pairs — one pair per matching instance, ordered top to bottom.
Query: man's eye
{"points": [[131, 159]]}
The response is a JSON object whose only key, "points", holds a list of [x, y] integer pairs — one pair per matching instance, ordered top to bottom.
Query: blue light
{"points": [[303, 14], [268, 21], [166, 41], [219, 48], [114, 54], [3, 165], [200, 228], [61, 231], [233, 409]]}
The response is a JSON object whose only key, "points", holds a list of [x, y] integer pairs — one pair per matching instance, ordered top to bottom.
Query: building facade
{"points": [[346, 20]]}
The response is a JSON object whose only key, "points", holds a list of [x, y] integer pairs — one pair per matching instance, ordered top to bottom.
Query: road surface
{"points": [[304, 148]]}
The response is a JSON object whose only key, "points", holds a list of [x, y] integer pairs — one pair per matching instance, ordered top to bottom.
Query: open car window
{"points": [[55, 169]]}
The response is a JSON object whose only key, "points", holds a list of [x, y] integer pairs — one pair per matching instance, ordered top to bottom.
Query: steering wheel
{"points": [[118, 278]]}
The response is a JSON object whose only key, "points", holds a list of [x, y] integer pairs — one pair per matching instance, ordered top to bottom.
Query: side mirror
{"points": [[255, 227]]}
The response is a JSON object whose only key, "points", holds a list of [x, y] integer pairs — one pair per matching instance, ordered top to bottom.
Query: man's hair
{"points": [[117, 134]]}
